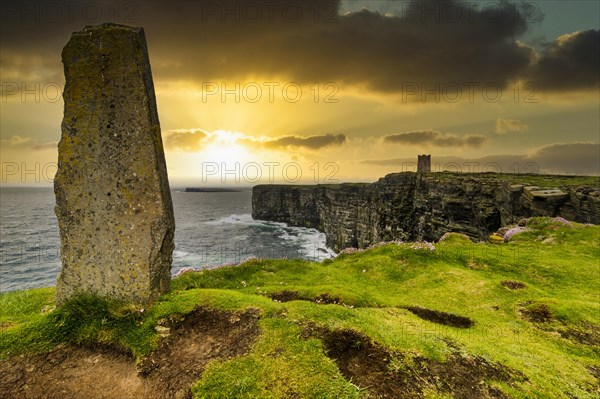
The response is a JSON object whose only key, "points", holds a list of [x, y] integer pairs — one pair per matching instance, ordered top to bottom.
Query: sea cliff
{"points": [[410, 206]]}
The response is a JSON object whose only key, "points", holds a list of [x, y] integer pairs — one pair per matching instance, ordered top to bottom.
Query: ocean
{"points": [[211, 229]]}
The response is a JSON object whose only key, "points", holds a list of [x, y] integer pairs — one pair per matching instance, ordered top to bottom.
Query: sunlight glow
{"points": [[224, 148]]}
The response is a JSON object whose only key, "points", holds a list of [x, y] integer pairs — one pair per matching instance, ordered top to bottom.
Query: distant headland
{"points": [[210, 190], [424, 205]]}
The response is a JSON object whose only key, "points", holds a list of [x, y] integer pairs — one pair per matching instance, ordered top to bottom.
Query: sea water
{"points": [[211, 229]]}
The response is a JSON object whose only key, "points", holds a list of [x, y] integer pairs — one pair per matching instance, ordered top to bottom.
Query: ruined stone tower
{"points": [[424, 164], [113, 202]]}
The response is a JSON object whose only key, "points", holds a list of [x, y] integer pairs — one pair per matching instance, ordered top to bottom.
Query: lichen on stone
{"points": [[113, 201]]}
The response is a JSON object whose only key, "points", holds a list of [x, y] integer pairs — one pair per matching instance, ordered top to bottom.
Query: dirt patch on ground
{"points": [[513, 285], [287, 296], [327, 299], [537, 312], [435, 316], [543, 317], [205, 335], [587, 335], [72, 372], [103, 373], [393, 375]]}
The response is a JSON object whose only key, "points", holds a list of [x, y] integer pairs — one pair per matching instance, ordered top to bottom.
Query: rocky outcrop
{"points": [[113, 202], [409, 206]]}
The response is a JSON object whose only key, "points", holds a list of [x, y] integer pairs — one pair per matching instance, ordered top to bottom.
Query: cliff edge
{"points": [[412, 207]]}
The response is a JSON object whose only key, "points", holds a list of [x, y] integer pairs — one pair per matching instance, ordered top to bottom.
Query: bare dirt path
{"points": [[70, 372]]}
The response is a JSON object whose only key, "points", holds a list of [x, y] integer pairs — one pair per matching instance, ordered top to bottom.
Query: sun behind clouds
{"points": [[225, 148]]}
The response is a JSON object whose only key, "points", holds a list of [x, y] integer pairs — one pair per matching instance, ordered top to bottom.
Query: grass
{"points": [[532, 179], [528, 330], [280, 363]]}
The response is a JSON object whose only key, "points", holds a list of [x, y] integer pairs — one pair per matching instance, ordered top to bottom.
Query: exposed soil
{"points": [[513, 285], [287, 296], [327, 299], [537, 312], [435, 316], [542, 316], [205, 335], [588, 335], [72, 372], [103, 373], [393, 375]]}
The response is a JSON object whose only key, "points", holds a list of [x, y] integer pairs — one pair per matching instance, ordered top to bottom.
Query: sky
{"points": [[326, 91]]}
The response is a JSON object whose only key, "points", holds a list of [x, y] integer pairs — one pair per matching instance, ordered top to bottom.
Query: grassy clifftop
{"points": [[458, 319]]}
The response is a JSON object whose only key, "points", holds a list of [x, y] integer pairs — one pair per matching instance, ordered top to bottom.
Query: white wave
{"points": [[245, 219], [310, 241], [313, 245], [180, 254]]}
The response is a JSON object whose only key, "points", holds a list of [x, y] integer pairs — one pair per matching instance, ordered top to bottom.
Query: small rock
{"points": [[502, 230]]}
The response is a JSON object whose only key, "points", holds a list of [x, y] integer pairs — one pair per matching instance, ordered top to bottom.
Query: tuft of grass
{"points": [[23, 306], [85, 319]]}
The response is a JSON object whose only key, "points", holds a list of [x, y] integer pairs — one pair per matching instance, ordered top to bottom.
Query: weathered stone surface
{"points": [[113, 202], [407, 206]]}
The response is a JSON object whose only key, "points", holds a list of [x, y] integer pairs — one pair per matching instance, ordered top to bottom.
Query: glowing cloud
{"points": [[505, 126]]}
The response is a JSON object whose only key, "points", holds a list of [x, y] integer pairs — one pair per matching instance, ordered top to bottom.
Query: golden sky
{"points": [[324, 91]]}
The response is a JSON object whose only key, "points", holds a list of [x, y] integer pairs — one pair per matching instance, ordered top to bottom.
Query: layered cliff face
{"points": [[408, 206]]}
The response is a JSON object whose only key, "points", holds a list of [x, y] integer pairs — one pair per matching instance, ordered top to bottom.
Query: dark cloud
{"points": [[437, 45], [383, 53], [570, 62], [435, 138], [184, 140], [310, 142], [582, 157], [559, 158]]}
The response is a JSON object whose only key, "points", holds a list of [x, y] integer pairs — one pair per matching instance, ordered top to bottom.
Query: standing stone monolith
{"points": [[113, 202]]}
